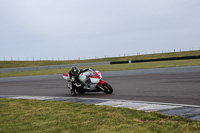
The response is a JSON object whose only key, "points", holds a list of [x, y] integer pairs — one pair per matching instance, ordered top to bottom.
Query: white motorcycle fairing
{"points": [[83, 77]]}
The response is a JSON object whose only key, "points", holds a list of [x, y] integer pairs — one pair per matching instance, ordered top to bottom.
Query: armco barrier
{"points": [[159, 59], [165, 59], [119, 62], [21, 69]]}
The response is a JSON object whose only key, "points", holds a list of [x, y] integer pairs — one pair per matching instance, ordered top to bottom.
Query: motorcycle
{"points": [[95, 82]]}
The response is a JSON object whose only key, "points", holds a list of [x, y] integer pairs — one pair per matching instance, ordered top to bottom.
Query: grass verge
{"points": [[13, 64], [144, 65], [52, 116]]}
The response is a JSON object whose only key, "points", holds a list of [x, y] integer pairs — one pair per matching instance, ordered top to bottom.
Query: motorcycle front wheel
{"points": [[107, 88]]}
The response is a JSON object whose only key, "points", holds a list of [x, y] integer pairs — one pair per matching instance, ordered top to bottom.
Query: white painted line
{"points": [[32, 97], [114, 100], [138, 106], [155, 107], [188, 111], [195, 117]]}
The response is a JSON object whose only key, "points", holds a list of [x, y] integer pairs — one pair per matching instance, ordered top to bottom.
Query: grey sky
{"points": [[88, 28]]}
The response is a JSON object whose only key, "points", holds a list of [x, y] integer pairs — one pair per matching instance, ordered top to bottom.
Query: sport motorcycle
{"points": [[94, 80]]}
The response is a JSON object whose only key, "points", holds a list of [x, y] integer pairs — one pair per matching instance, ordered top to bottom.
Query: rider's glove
{"points": [[72, 79]]}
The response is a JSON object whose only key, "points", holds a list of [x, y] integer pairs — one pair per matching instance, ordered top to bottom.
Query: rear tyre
{"points": [[107, 88], [80, 90]]}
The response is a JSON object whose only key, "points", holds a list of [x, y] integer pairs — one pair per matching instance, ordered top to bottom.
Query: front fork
{"points": [[99, 85]]}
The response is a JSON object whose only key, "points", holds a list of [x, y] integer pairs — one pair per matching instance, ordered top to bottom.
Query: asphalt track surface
{"points": [[169, 85]]}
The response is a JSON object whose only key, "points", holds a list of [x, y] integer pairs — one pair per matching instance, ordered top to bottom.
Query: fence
{"points": [[90, 57], [158, 59], [21, 69]]}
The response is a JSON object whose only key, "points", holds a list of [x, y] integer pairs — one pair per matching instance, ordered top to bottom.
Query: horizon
{"points": [[65, 59]]}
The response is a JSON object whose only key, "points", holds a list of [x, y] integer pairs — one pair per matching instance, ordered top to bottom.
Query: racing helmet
{"points": [[74, 71]]}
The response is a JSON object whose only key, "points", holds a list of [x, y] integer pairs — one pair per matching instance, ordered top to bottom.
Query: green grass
{"points": [[13, 64], [144, 65], [19, 116]]}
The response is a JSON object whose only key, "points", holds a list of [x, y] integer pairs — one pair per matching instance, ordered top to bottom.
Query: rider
{"points": [[74, 77]]}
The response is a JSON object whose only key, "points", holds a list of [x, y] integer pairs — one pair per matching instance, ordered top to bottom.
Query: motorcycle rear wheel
{"points": [[107, 88], [80, 90]]}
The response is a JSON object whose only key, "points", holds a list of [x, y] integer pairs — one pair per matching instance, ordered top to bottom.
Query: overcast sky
{"points": [[88, 28]]}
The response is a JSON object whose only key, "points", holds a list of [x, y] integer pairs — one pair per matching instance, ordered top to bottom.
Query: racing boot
{"points": [[69, 85], [72, 90]]}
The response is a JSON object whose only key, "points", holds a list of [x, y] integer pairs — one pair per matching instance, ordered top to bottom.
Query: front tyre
{"points": [[107, 88]]}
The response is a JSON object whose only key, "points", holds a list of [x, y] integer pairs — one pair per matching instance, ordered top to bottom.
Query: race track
{"points": [[169, 85]]}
